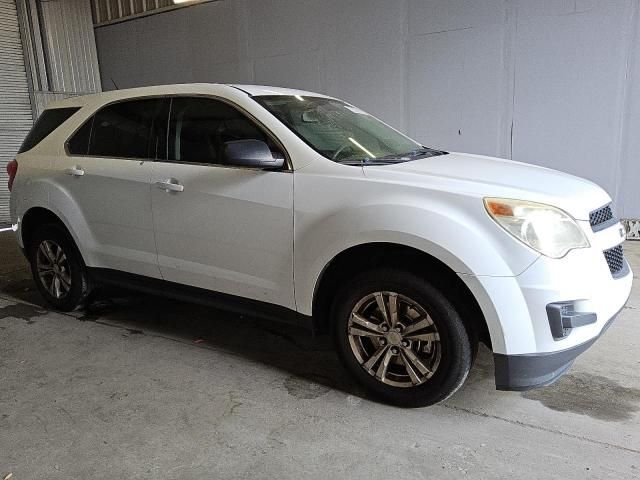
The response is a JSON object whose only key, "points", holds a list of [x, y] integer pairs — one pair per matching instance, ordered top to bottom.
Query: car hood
{"points": [[494, 177]]}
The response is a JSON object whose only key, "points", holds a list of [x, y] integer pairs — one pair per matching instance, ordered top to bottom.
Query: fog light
{"points": [[563, 318]]}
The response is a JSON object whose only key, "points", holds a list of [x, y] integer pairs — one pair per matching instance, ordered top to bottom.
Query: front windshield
{"points": [[341, 132]]}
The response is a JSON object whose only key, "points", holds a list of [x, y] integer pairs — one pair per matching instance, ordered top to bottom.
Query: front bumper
{"points": [[534, 338], [528, 371]]}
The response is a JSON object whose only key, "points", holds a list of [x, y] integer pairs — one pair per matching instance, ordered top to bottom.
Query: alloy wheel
{"points": [[53, 269], [394, 339]]}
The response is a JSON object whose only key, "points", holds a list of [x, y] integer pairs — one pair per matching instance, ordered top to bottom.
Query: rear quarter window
{"points": [[48, 121], [79, 143]]}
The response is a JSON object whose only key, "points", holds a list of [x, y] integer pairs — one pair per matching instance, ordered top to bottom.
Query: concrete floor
{"points": [[144, 387]]}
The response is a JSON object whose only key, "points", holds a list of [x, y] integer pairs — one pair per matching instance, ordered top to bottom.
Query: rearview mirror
{"points": [[310, 116], [251, 153]]}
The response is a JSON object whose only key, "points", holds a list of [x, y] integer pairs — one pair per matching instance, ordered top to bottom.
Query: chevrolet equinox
{"points": [[296, 206]]}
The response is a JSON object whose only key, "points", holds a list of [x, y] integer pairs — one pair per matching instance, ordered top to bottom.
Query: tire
{"points": [[72, 284], [438, 338]]}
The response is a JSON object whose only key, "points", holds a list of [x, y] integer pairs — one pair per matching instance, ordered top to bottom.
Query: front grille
{"points": [[600, 216], [615, 260]]}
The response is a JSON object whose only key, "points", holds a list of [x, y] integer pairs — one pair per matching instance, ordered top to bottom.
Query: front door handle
{"points": [[74, 171], [170, 185]]}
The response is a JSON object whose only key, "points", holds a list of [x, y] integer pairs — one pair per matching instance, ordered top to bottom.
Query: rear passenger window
{"points": [[48, 121], [199, 127], [131, 129]]}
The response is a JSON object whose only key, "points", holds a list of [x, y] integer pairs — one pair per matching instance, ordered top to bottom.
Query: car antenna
{"points": [[114, 83]]}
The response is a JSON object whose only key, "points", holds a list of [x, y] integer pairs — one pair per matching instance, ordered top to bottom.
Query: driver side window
{"points": [[199, 128]]}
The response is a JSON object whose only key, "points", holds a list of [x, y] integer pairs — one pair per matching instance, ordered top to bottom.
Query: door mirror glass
{"points": [[251, 153]]}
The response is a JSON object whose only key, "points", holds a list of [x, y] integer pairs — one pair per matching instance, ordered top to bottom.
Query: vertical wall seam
{"points": [[65, 16], [32, 23], [249, 43], [46, 45], [514, 58], [30, 64], [405, 71], [507, 96], [625, 109]]}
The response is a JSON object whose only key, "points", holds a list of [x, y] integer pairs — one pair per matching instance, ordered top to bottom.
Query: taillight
{"points": [[12, 169]]}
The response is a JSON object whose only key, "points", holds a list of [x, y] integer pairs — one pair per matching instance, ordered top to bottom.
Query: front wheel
{"points": [[401, 338]]}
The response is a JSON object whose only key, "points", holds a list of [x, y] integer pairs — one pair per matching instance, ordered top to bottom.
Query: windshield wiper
{"points": [[423, 152], [413, 154], [372, 161]]}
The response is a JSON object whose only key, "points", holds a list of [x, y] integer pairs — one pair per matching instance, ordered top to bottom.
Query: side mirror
{"points": [[250, 153]]}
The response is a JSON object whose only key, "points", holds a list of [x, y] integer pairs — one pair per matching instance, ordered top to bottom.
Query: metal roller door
{"points": [[15, 104]]}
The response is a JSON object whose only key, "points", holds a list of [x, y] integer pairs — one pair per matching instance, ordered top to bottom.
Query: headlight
{"points": [[544, 228]]}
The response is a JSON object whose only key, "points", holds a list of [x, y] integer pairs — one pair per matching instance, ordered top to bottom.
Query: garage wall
{"points": [[60, 49], [358, 54], [549, 82], [15, 102]]}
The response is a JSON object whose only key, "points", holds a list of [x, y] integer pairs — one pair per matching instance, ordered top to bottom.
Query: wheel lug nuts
{"points": [[385, 328], [383, 341], [405, 343], [394, 350]]}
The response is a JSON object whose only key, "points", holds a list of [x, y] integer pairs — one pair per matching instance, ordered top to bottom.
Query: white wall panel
{"points": [[545, 8], [429, 16], [279, 27], [215, 36], [152, 43], [198, 44], [364, 56], [120, 58], [294, 70], [232, 72], [455, 81], [549, 82], [569, 82]]}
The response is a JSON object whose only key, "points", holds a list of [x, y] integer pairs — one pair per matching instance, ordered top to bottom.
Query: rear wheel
{"points": [[57, 268], [401, 338]]}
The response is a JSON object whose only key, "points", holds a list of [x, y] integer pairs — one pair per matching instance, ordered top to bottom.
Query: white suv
{"points": [[300, 207]]}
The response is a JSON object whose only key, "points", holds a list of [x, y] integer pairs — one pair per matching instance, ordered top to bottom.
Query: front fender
{"points": [[456, 231], [461, 241]]}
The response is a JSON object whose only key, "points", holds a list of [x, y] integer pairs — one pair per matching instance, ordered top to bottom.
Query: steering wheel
{"points": [[341, 150]]}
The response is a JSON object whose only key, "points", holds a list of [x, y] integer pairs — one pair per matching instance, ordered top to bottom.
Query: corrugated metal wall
{"points": [[106, 11], [67, 31], [15, 105]]}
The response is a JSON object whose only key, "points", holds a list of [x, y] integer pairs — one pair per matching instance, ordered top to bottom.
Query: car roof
{"points": [[178, 88], [266, 90]]}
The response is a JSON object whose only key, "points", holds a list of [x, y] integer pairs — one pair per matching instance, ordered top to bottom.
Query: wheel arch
{"points": [[38, 216], [34, 218], [384, 254]]}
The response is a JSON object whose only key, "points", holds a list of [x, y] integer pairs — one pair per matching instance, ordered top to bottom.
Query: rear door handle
{"points": [[74, 171], [170, 185]]}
